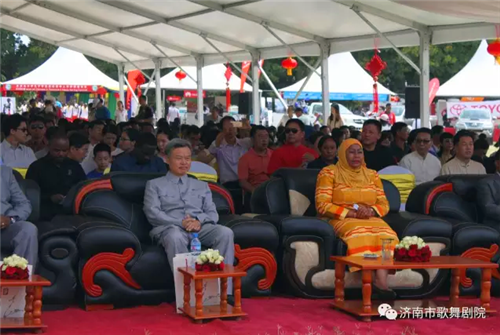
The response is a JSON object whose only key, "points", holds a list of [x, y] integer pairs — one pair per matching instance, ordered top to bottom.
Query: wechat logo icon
{"points": [[387, 311]]}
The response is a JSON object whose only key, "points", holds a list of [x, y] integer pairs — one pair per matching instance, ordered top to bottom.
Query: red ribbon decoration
{"points": [[375, 66], [228, 75]]}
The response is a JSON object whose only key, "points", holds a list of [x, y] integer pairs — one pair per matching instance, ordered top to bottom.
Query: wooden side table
{"points": [[368, 308], [33, 309], [199, 312]]}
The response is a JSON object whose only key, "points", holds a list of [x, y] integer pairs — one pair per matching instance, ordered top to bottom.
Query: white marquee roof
{"points": [[143, 30], [66, 67], [479, 78], [213, 80], [347, 81]]}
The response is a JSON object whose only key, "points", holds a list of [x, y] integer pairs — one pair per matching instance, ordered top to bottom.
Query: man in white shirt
{"points": [[173, 113], [306, 119], [462, 163], [424, 166]]}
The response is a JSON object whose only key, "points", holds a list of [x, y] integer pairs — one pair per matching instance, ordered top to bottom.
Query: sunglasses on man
{"points": [[37, 126], [291, 130]]}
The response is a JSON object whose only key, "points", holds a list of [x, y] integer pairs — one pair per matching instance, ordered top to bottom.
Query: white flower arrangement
{"points": [[407, 241], [210, 256], [209, 260], [15, 261]]}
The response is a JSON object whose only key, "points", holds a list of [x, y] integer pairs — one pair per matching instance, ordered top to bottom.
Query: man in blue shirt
{"points": [[102, 112], [142, 159], [177, 205], [15, 208]]}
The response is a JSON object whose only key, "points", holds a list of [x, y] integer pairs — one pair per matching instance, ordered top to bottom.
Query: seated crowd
{"points": [[349, 192]]}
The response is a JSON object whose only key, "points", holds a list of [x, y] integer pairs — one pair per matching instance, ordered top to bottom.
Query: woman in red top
{"points": [[293, 153]]}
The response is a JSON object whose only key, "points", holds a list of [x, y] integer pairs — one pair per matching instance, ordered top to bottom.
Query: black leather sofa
{"points": [[453, 198], [306, 242], [57, 254], [119, 266]]}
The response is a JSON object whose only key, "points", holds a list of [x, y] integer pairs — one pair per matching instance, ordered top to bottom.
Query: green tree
{"points": [[12, 49]]}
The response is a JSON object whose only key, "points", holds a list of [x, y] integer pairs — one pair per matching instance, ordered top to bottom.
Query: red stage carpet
{"points": [[274, 316]]}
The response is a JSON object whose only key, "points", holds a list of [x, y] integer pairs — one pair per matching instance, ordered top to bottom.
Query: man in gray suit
{"points": [[488, 196], [177, 205], [16, 232]]}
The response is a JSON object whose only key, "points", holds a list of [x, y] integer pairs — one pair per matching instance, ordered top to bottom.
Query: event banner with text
{"points": [[454, 109]]}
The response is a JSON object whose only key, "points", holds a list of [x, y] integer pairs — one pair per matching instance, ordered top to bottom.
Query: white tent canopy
{"points": [[141, 31], [65, 70], [479, 78], [213, 80], [347, 81]]}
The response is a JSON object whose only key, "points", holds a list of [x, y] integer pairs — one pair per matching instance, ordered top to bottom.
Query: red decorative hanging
{"points": [[494, 47], [289, 64], [375, 66], [228, 74], [180, 75], [3, 90], [101, 91], [116, 95]]}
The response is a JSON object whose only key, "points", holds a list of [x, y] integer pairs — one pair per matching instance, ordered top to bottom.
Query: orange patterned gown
{"points": [[335, 199]]}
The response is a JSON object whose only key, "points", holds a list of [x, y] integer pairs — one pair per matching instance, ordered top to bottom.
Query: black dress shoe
{"points": [[380, 294]]}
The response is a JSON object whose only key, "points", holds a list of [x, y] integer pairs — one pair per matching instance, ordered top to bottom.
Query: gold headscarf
{"points": [[345, 174]]}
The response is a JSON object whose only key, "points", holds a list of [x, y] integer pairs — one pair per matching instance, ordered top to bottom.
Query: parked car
{"points": [[349, 118], [476, 120]]}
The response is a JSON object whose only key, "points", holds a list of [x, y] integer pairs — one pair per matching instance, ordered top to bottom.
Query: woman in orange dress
{"points": [[352, 197]]}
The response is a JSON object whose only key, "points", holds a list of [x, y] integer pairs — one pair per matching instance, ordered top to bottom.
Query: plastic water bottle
{"points": [[195, 243]]}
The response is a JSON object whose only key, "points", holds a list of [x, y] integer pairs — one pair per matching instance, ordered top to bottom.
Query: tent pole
{"points": [[381, 34], [425, 41], [291, 49], [173, 61], [240, 70], [121, 73], [305, 82], [199, 86], [255, 87], [325, 87], [131, 90], [278, 95], [159, 107]]}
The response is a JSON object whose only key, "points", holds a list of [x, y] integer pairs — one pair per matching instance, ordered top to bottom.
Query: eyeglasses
{"points": [[37, 126], [24, 130], [291, 130], [423, 141]]}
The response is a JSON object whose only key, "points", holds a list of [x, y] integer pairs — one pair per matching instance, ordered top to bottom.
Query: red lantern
{"points": [[494, 49], [289, 64], [375, 67], [228, 74], [180, 75], [101, 91], [116, 95]]}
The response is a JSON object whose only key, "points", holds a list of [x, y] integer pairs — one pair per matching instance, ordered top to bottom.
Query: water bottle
{"points": [[195, 243]]}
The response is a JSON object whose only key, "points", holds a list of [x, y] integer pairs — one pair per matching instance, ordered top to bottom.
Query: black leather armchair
{"points": [[453, 198], [307, 242], [57, 254], [119, 265]]}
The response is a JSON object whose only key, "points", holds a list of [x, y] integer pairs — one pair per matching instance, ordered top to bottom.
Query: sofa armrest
{"points": [[421, 197], [449, 205], [411, 224], [251, 232], [106, 239]]}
